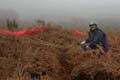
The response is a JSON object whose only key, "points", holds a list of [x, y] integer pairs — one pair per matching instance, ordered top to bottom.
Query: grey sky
{"points": [[84, 8]]}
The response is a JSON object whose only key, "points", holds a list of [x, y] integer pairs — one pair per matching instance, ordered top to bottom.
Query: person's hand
{"points": [[83, 42], [87, 44], [101, 49]]}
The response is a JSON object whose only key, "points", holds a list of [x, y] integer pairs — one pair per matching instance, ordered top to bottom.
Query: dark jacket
{"points": [[95, 37]]}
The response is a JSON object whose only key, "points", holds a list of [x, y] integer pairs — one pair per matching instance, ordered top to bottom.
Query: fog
{"points": [[78, 8], [74, 12]]}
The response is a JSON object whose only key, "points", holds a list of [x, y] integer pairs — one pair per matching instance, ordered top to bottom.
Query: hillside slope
{"points": [[55, 54]]}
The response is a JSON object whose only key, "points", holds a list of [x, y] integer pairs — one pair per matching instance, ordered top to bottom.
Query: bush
{"points": [[12, 25]]}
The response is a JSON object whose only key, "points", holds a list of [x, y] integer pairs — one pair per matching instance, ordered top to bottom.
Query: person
{"points": [[97, 39]]}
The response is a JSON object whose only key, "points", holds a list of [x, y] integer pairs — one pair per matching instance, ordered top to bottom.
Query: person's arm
{"points": [[89, 39]]}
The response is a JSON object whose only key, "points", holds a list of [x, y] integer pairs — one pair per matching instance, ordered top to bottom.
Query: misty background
{"points": [[69, 13]]}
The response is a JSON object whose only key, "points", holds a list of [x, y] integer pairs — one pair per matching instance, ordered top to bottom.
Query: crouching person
{"points": [[96, 39]]}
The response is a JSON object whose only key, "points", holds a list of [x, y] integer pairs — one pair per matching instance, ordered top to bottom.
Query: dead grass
{"points": [[56, 52]]}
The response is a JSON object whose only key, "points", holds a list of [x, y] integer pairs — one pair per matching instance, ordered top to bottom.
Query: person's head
{"points": [[93, 25]]}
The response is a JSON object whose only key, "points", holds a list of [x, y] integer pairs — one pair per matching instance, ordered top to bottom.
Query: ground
{"points": [[55, 54]]}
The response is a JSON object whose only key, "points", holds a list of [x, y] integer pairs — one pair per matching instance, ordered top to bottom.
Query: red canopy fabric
{"points": [[36, 29], [25, 31], [5, 32], [22, 32], [76, 32]]}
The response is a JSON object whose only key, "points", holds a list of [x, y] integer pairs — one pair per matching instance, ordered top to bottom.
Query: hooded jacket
{"points": [[95, 37]]}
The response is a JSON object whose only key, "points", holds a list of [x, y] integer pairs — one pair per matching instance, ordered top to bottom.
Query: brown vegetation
{"points": [[55, 54]]}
